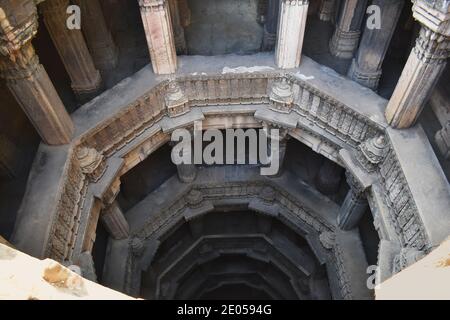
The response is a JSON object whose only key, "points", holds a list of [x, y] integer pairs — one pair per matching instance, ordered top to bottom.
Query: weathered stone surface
{"points": [[157, 22], [291, 30], [98, 37], [345, 39], [72, 48], [366, 67], [26, 77]]}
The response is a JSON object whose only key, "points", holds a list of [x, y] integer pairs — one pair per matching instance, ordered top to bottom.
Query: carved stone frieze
{"points": [[405, 258]]}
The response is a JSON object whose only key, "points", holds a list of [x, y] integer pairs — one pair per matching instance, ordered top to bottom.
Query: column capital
{"points": [[296, 2], [152, 5], [434, 15], [17, 32], [432, 47]]}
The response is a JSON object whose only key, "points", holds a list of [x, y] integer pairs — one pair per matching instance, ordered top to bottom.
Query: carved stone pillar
{"points": [[327, 9], [270, 25], [178, 29], [348, 30], [291, 31], [98, 36], [160, 39], [72, 48], [424, 66], [366, 67], [27, 78], [443, 140], [329, 178], [354, 206], [115, 222]]}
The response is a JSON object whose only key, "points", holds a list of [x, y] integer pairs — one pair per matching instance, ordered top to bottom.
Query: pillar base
{"points": [[343, 44], [370, 80], [85, 94]]}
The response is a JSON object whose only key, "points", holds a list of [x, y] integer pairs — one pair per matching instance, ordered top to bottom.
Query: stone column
{"points": [[327, 10], [271, 25], [178, 29], [291, 30], [348, 30], [98, 37], [160, 39], [72, 48], [424, 66], [366, 67], [27, 78], [443, 140], [329, 178], [354, 207], [115, 222]]}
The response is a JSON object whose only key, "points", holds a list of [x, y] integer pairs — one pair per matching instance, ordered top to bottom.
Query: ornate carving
{"points": [[152, 5], [13, 38], [432, 47], [204, 90], [282, 96], [176, 100], [372, 152], [92, 163], [268, 195], [194, 198], [327, 239], [137, 246], [405, 258]]}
